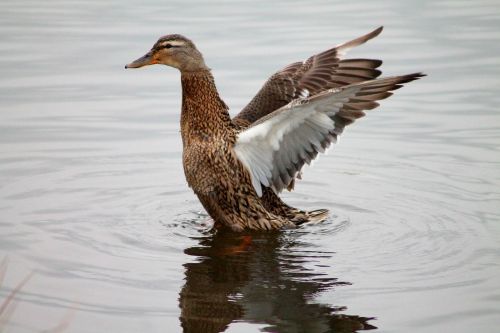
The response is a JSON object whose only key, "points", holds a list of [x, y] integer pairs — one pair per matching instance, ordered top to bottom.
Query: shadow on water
{"points": [[262, 279]]}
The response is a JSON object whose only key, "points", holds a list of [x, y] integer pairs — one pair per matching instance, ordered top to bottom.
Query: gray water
{"points": [[94, 204]]}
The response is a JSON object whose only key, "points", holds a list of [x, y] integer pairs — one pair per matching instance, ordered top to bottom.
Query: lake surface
{"points": [[93, 201]]}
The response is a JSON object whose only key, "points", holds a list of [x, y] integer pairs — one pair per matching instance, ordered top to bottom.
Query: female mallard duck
{"points": [[237, 167]]}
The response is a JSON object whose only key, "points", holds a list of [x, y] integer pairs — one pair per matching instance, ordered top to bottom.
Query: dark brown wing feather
{"points": [[318, 73]]}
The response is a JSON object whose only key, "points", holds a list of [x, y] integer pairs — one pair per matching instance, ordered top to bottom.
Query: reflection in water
{"points": [[258, 278]]}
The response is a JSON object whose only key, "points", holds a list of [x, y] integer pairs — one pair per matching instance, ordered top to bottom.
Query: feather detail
{"points": [[302, 79], [275, 148]]}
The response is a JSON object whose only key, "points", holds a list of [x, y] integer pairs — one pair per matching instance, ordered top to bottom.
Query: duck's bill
{"points": [[145, 60]]}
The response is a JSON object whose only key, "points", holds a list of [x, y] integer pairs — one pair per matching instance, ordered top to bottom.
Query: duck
{"points": [[237, 167]]}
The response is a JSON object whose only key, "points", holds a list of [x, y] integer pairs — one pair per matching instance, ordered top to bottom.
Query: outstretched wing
{"points": [[323, 71], [276, 147]]}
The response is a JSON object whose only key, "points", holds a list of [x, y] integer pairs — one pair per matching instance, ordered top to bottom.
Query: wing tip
{"points": [[376, 32], [371, 35], [360, 40], [411, 77], [393, 80]]}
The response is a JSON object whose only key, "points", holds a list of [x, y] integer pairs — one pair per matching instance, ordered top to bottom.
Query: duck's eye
{"points": [[168, 46]]}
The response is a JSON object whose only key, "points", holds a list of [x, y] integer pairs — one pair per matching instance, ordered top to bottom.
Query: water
{"points": [[93, 199]]}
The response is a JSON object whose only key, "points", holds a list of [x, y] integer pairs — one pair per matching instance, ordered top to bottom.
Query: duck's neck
{"points": [[204, 115]]}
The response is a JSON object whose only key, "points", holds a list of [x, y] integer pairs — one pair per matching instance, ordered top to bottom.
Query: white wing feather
{"points": [[274, 144]]}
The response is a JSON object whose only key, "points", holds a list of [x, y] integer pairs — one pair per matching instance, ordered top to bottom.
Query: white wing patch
{"points": [[276, 147]]}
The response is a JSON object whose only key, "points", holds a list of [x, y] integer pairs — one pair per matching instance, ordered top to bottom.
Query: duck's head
{"points": [[175, 51]]}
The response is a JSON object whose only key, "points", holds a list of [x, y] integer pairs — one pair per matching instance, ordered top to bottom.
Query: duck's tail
{"points": [[318, 215], [299, 217]]}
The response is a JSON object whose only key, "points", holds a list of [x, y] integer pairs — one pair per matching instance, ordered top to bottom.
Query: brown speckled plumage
{"points": [[212, 158], [212, 170]]}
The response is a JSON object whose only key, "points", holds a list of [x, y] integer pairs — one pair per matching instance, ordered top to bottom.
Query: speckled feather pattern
{"points": [[212, 169]]}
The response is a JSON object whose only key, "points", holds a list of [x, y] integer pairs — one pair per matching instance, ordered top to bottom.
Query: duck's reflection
{"points": [[258, 278]]}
